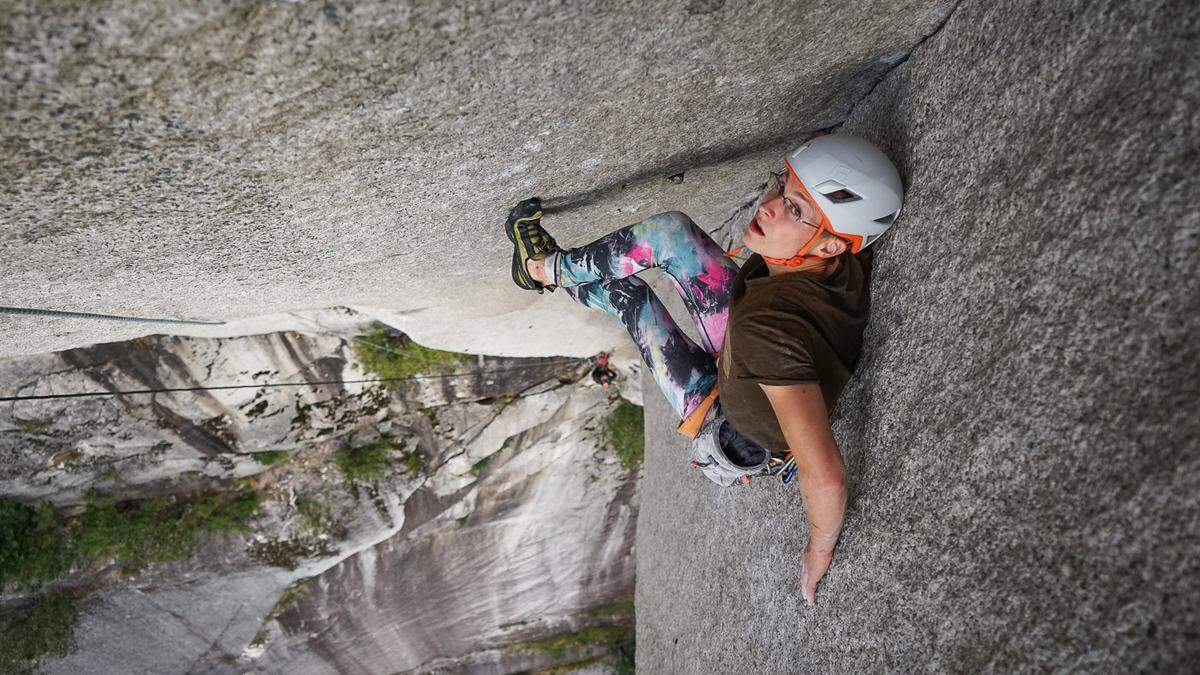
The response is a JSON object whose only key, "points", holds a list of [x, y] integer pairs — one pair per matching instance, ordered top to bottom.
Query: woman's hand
{"points": [[816, 563]]}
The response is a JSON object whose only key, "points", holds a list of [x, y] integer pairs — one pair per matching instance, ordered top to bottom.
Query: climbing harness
{"points": [[726, 457]]}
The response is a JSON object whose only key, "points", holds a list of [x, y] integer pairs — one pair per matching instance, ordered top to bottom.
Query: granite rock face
{"points": [[219, 161], [1021, 435], [140, 444], [501, 520], [482, 568]]}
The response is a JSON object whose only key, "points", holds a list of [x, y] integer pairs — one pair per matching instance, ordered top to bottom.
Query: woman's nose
{"points": [[766, 210]]}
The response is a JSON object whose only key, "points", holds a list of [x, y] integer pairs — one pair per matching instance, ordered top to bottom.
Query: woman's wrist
{"points": [[820, 544]]}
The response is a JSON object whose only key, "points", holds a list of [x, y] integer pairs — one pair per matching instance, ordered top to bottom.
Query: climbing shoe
{"points": [[530, 242]]}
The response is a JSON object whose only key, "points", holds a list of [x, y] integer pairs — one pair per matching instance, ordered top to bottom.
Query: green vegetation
{"points": [[389, 354], [258, 409], [302, 417], [33, 426], [219, 427], [624, 431], [271, 457], [367, 462], [413, 462], [481, 464], [316, 515], [160, 529], [38, 545], [32, 548], [287, 553], [291, 597], [287, 600], [621, 608], [31, 633], [260, 638], [616, 638], [558, 645], [622, 654], [573, 667]]}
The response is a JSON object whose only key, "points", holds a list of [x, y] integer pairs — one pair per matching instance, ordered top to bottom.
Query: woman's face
{"points": [[785, 221]]}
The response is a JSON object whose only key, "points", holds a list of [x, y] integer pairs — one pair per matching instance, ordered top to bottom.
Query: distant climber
{"points": [[779, 337], [602, 373]]}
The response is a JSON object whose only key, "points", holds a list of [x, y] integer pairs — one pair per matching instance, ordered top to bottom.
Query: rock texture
{"points": [[235, 161], [1021, 436], [142, 443], [514, 524], [479, 570]]}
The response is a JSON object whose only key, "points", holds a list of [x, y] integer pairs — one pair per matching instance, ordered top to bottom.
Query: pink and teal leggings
{"points": [[600, 275]]}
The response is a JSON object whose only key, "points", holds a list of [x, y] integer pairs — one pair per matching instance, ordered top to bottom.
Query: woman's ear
{"points": [[830, 246]]}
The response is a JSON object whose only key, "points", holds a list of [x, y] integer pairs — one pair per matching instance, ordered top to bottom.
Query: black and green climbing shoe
{"points": [[530, 242]]}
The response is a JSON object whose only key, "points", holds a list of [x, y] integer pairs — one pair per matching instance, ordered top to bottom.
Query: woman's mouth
{"points": [[756, 228]]}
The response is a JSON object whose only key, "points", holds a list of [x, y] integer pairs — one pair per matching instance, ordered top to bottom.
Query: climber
{"points": [[779, 337], [603, 374]]}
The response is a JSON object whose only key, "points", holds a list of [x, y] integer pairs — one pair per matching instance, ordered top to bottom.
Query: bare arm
{"points": [[822, 474]]}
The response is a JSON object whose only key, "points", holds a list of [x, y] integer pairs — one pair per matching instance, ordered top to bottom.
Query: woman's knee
{"points": [[677, 219], [679, 225]]}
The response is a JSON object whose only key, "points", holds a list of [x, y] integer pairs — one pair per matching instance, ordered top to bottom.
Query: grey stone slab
{"points": [[216, 161], [1021, 434], [175, 624]]}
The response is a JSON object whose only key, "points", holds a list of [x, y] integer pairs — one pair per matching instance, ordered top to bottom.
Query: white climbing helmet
{"points": [[852, 183]]}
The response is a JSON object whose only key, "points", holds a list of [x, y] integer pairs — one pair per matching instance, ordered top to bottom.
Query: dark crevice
{"points": [[904, 58], [688, 161], [725, 233]]}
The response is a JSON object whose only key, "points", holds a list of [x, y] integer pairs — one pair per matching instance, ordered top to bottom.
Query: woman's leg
{"points": [[696, 264], [685, 372]]}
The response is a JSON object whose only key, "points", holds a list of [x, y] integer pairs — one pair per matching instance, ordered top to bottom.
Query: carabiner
{"points": [[789, 470]]}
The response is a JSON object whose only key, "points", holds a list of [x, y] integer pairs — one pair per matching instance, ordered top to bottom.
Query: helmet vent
{"points": [[842, 196], [888, 219]]}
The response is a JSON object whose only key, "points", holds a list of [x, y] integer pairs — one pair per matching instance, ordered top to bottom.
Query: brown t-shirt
{"points": [[785, 329]]}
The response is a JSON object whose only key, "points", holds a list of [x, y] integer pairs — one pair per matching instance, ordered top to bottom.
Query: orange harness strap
{"points": [[690, 426]]}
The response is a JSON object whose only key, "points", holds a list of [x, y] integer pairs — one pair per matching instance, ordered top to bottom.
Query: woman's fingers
{"points": [[816, 563]]}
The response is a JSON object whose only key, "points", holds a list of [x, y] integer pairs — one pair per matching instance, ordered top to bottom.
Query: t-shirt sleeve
{"points": [[774, 350]]}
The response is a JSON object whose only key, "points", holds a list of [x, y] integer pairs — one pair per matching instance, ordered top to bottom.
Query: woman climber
{"points": [[779, 337]]}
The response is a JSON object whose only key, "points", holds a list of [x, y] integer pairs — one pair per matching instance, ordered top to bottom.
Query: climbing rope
{"points": [[106, 317]]}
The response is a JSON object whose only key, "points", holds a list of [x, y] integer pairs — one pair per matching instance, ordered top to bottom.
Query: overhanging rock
{"points": [[230, 162]]}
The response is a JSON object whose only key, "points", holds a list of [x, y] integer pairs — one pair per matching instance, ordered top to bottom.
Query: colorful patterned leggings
{"points": [[600, 275]]}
